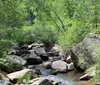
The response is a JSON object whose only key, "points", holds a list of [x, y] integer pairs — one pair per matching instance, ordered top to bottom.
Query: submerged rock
{"points": [[3, 76], [85, 77], [41, 81], [4, 82]]}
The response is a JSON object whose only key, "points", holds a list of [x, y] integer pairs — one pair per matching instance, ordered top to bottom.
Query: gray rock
{"points": [[35, 45], [40, 51], [56, 51], [84, 53], [16, 59], [33, 59], [69, 59], [59, 65], [10, 66], [70, 66], [31, 73], [3, 76], [85, 77], [42, 81], [4, 82]]}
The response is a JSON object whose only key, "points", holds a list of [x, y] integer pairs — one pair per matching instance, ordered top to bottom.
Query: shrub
{"points": [[44, 35], [73, 35], [22, 36], [5, 45]]}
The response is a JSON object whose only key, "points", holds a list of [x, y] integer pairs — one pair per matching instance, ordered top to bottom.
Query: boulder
{"points": [[40, 51], [55, 51], [84, 53], [16, 59], [33, 59], [69, 59], [59, 65], [9, 66], [70, 66], [17, 74], [22, 74]]}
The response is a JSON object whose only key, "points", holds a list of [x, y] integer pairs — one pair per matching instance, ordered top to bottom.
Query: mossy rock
{"points": [[5, 45], [84, 54], [7, 66]]}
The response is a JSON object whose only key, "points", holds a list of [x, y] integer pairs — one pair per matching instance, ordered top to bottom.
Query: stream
{"points": [[70, 78]]}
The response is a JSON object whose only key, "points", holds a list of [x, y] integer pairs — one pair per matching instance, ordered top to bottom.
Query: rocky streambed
{"points": [[36, 64]]}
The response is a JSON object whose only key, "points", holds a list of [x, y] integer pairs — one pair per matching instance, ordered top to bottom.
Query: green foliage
{"points": [[10, 14], [71, 19], [44, 35], [74, 35], [22, 36], [5, 45], [97, 65], [95, 69], [26, 77], [20, 80]]}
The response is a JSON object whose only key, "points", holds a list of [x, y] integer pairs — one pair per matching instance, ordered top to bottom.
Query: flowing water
{"points": [[70, 78]]}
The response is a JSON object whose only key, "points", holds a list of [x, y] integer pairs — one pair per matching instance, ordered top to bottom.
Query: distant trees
{"points": [[70, 20]]}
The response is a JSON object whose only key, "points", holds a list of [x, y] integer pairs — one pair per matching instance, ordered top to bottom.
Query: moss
{"points": [[5, 45], [81, 61], [8, 67]]}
